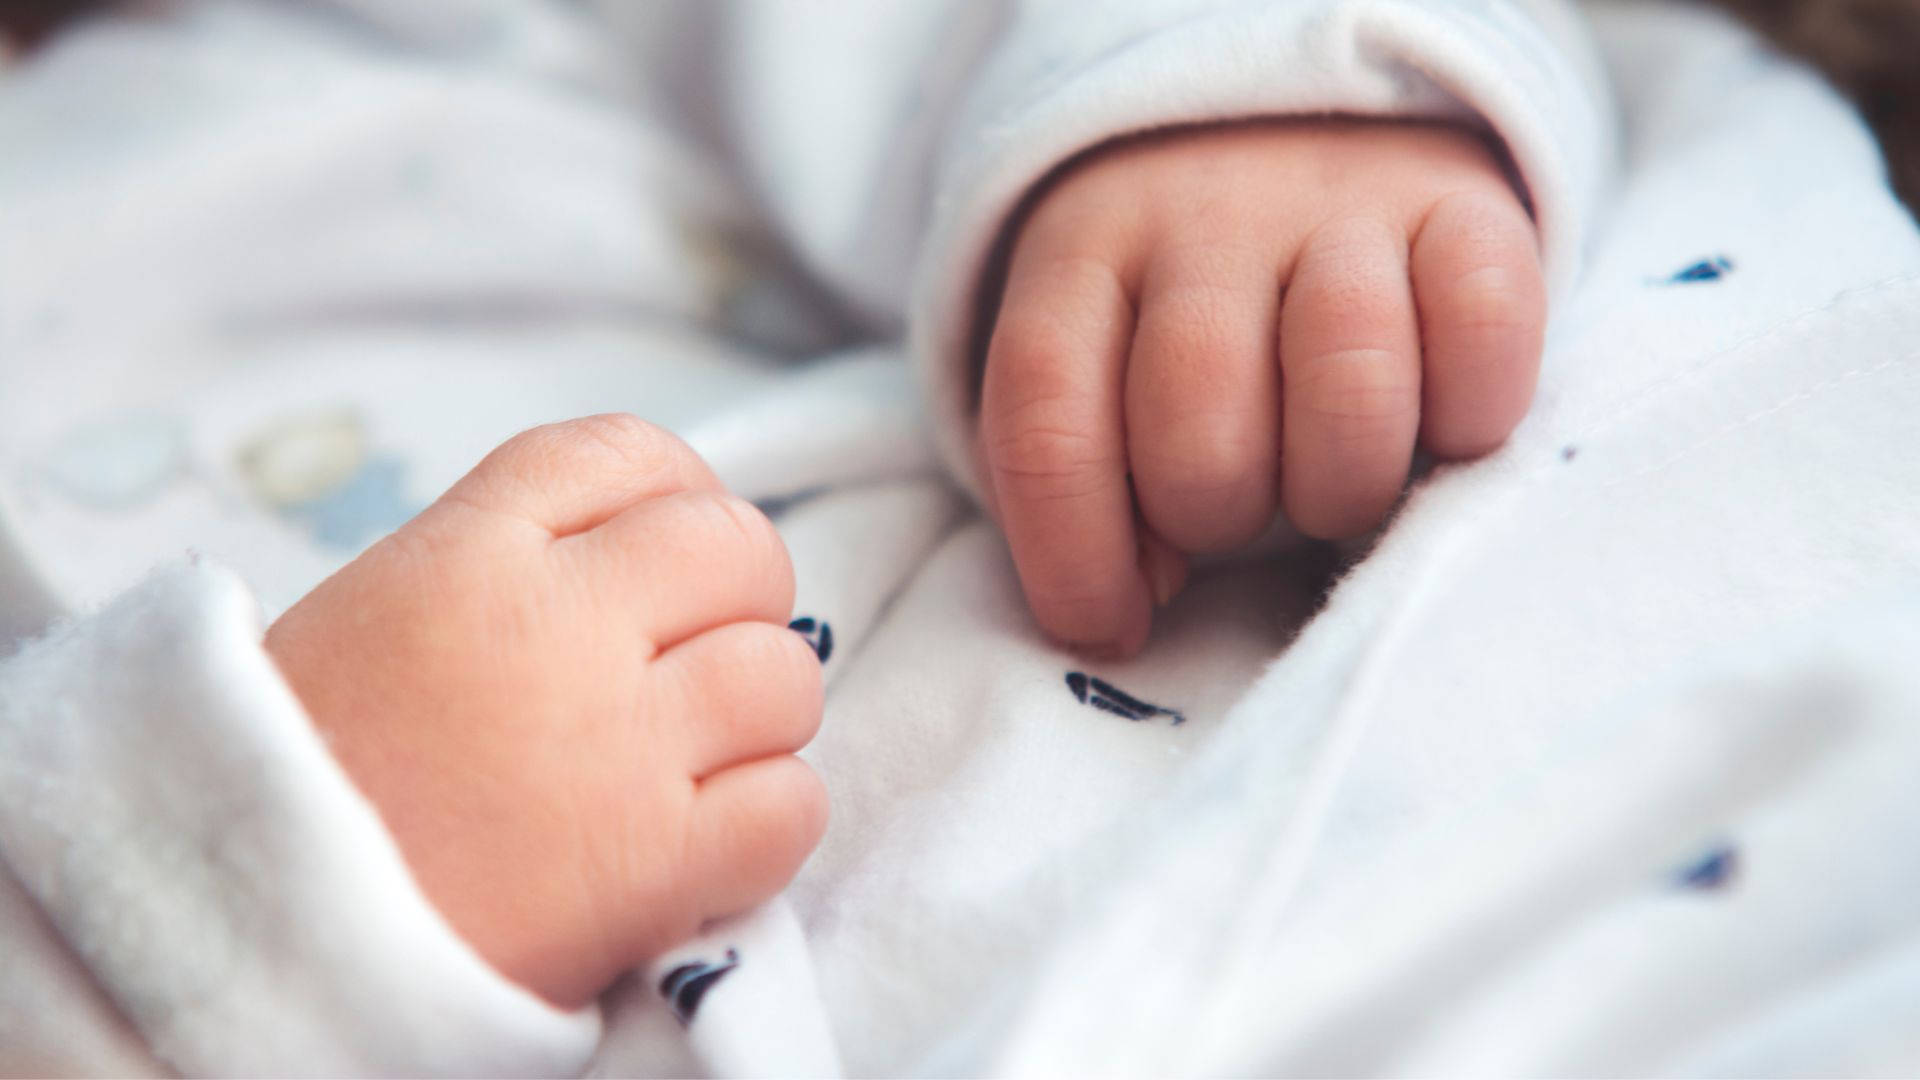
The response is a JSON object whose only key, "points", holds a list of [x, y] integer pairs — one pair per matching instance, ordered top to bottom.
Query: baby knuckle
{"points": [[1086, 194], [1482, 216], [1354, 242], [1355, 260], [1494, 300], [1372, 302], [1199, 327], [1030, 341], [625, 437], [628, 441], [1212, 457], [511, 458], [733, 521], [733, 525], [798, 666], [786, 674], [808, 703], [809, 808], [794, 818]]}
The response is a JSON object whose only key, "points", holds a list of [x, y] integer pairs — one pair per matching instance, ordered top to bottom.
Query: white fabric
{"points": [[306, 264], [167, 804]]}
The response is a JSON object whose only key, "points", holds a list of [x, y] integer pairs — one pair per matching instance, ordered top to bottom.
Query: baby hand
{"points": [[1198, 328], [569, 688]]}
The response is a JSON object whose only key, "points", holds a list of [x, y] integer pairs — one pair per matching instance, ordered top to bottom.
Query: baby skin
{"points": [[1199, 328], [568, 686]]}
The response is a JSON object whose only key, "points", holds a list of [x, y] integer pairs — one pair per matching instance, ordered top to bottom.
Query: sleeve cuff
{"points": [[1523, 69], [165, 800]]}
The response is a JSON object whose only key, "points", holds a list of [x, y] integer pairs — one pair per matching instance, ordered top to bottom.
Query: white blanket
{"points": [[1596, 762]]}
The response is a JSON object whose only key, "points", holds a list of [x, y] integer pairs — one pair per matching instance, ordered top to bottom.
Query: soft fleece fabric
{"points": [[1593, 764]]}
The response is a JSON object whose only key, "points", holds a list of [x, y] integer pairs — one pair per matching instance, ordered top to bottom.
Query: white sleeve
{"points": [[891, 142], [176, 828]]}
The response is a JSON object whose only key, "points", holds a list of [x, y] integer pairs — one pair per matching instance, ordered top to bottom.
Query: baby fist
{"points": [[569, 688]]}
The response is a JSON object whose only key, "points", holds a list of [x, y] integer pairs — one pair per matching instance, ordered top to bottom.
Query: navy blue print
{"points": [[1712, 269], [818, 632], [1107, 697], [1714, 870], [687, 984]]}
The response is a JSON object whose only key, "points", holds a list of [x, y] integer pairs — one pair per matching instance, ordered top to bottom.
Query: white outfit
{"points": [[1596, 763]]}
